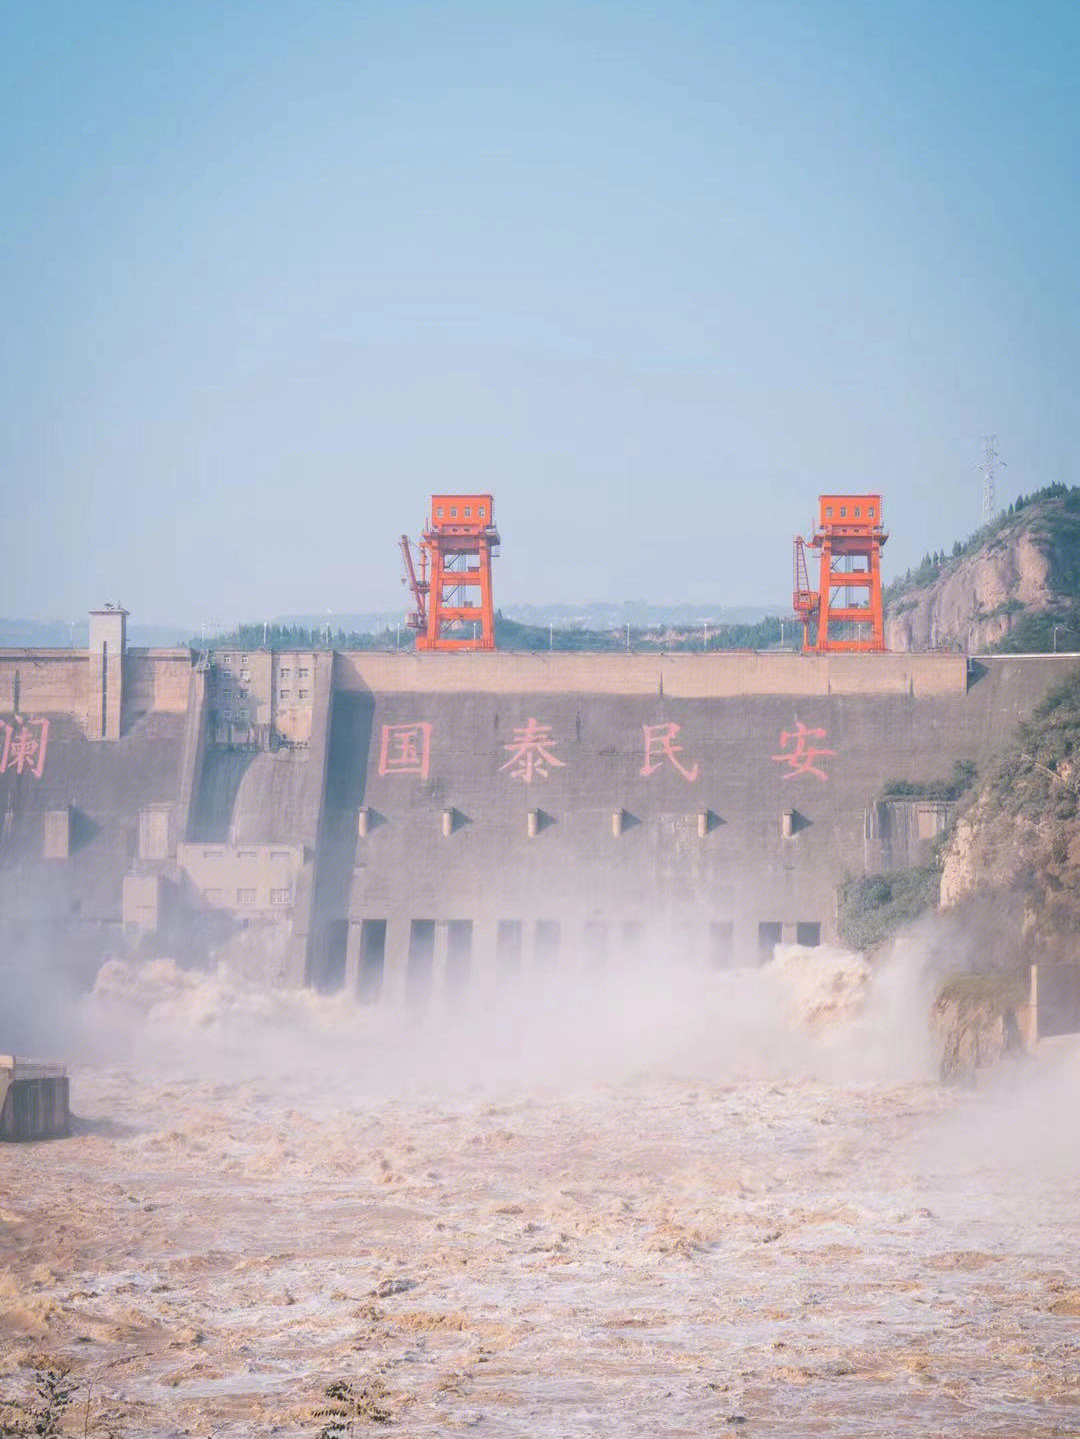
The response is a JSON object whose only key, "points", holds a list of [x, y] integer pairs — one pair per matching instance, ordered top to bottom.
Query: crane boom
{"points": [[417, 620]]}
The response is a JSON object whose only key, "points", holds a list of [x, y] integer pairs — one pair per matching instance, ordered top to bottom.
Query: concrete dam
{"points": [[407, 825]]}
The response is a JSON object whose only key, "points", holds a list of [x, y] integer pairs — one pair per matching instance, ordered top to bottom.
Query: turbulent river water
{"points": [[709, 1204]]}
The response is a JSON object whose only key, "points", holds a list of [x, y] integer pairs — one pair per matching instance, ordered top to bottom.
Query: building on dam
{"points": [[405, 825]]}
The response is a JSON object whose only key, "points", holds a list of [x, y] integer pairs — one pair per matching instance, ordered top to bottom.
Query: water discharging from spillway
{"points": [[686, 1203]]}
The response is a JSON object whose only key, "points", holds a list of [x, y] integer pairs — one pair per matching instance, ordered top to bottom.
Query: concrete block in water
{"points": [[33, 1099]]}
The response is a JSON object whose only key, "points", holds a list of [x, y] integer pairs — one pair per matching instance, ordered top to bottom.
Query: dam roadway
{"points": [[409, 825]]}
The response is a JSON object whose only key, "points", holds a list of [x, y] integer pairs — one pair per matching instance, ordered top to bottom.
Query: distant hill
{"points": [[1007, 588], [595, 615], [601, 615], [568, 627], [381, 629], [766, 632], [41, 634], [62, 634]]}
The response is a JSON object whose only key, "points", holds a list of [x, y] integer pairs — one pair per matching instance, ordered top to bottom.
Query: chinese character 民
{"points": [[660, 740], [23, 749], [405, 749], [531, 752], [800, 759]]}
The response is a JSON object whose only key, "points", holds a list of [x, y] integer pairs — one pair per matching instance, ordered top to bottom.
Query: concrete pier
{"points": [[33, 1099]]}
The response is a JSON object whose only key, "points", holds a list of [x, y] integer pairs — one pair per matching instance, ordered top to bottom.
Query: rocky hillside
{"points": [[1005, 588], [1016, 847], [1000, 891]]}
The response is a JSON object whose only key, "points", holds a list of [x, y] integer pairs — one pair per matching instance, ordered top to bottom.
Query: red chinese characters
{"points": [[23, 744], [660, 746], [406, 749], [799, 751], [531, 752]]}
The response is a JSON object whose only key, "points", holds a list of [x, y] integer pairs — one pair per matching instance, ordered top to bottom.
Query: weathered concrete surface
{"points": [[686, 676], [59, 682], [194, 752], [741, 784], [106, 785], [900, 832], [660, 877], [1055, 999], [33, 1100]]}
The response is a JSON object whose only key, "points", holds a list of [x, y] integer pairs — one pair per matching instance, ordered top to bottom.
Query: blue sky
{"points": [[652, 274]]}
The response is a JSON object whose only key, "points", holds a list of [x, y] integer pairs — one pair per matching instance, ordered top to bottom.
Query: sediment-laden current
{"points": [[591, 1223]]}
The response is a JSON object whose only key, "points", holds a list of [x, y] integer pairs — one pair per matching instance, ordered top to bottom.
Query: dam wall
{"points": [[59, 682], [511, 811], [407, 825]]}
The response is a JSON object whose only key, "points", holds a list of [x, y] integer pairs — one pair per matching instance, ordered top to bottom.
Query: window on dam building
{"points": [[808, 933]]}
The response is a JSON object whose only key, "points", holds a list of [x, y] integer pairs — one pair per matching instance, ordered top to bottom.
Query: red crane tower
{"points": [[455, 563], [846, 607]]}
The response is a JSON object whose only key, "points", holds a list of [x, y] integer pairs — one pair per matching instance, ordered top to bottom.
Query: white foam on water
{"points": [[821, 1013], [663, 1201]]}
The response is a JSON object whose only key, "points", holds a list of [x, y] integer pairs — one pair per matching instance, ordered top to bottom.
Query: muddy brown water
{"points": [[640, 1254]]}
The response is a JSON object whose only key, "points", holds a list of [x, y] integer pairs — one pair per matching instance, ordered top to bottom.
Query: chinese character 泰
{"points": [[660, 740], [22, 748], [405, 749], [530, 752], [800, 760]]}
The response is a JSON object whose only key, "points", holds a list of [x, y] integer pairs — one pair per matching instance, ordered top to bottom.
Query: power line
{"points": [[991, 461]]}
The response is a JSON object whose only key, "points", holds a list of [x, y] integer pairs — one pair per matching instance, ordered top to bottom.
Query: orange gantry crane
{"points": [[453, 608], [845, 611]]}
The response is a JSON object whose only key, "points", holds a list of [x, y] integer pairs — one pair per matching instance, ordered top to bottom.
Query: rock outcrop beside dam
{"points": [[1024, 567], [971, 605]]}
